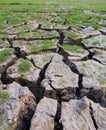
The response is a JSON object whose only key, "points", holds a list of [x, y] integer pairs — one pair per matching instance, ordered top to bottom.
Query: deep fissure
{"points": [[74, 69], [57, 124]]}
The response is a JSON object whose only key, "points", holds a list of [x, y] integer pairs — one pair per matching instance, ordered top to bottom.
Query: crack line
{"points": [[92, 116]]}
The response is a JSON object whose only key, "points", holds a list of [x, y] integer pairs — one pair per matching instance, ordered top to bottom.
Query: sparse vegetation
{"points": [[72, 34], [96, 41], [47, 44], [35, 47], [74, 48], [4, 54], [84, 64], [24, 65], [23, 76], [102, 80], [4, 95]]}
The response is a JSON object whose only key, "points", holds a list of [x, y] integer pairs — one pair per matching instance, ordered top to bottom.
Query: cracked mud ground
{"points": [[51, 81]]}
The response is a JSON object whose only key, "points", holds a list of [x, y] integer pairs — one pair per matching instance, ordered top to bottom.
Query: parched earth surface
{"points": [[52, 81]]}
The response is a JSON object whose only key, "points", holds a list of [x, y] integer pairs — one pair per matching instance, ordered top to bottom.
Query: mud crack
{"points": [[30, 39], [91, 55], [73, 68], [92, 116], [57, 124]]}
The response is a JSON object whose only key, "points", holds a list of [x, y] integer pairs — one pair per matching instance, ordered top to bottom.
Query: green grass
{"points": [[72, 11], [15, 16], [77, 17], [81, 19], [71, 34], [96, 42], [47, 44], [44, 45], [36, 48], [77, 49], [4, 54], [84, 64], [24, 65], [23, 76], [102, 80], [4, 95]]}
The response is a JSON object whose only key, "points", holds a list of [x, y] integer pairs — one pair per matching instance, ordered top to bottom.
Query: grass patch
{"points": [[20, 11], [37, 34], [71, 34], [96, 42], [47, 44], [36, 48], [74, 48], [4, 54], [84, 64], [24, 65], [23, 76], [102, 80], [4, 95]]}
